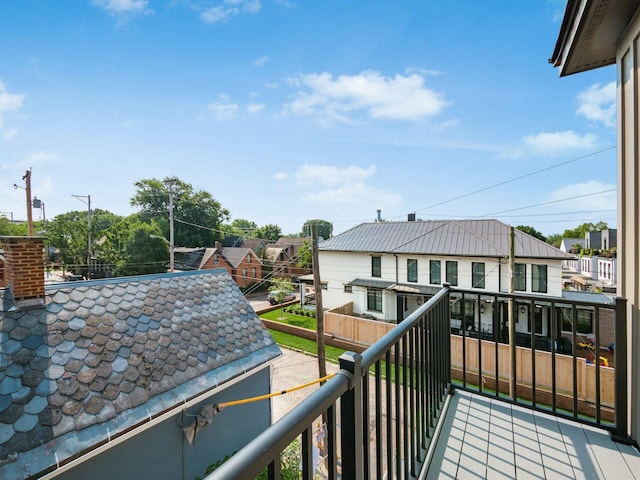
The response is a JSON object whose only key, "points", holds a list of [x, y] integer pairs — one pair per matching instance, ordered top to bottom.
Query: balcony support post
{"points": [[351, 419], [621, 433]]}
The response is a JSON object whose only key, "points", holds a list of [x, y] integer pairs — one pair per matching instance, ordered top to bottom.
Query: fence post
{"points": [[620, 357], [351, 419]]}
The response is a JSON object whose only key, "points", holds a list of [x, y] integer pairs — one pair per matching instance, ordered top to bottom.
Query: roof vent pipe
{"points": [[379, 217]]}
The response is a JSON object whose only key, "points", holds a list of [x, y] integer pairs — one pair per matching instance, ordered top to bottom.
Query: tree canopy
{"points": [[197, 215], [324, 228], [581, 230], [532, 231], [68, 232], [269, 232], [129, 246]]}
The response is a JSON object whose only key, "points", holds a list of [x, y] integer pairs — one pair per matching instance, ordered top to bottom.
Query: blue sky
{"points": [[292, 110]]}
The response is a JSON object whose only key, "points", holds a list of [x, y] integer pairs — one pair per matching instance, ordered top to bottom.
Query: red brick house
{"points": [[241, 263]]}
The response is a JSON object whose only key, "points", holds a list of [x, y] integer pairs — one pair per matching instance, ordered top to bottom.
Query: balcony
{"points": [[422, 402]]}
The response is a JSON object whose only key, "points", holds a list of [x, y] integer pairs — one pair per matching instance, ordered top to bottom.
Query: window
{"points": [[248, 258], [215, 259], [376, 266], [412, 270], [477, 271], [253, 272], [434, 272], [244, 273], [452, 273], [520, 277], [539, 278], [348, 288], [374, 300], [467, 316], [537, 318], [584, 322]]}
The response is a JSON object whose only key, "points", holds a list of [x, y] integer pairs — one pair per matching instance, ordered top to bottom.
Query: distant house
{"points": [[571, 245], [282, 258], [241, 263], [388, 269], [105, 378]]}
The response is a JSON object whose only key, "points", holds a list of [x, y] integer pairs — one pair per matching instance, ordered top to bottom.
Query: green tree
{"points": [[197, 215], [325, 228], [9, 229], [581, 230], [532, 231], [68, 232], [268, 232], [554, 239], [130, 247], [305, 255], [281, 287]]}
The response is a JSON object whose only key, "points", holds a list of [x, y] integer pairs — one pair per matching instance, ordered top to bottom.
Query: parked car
{"points": [[286, 297]]}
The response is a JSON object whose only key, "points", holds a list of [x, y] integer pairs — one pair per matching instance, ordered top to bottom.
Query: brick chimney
{"points": [[24, 265]]}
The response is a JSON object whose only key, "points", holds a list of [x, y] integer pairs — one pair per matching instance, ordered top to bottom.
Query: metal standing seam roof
{"points": [[466, 238], [103, 356]]}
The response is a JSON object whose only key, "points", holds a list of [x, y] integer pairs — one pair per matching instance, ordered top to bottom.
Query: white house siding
{"points": [[338, 269]]}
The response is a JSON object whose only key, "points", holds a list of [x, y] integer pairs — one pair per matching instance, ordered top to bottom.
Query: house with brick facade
{"points": [[242, 263], [119, 378]]}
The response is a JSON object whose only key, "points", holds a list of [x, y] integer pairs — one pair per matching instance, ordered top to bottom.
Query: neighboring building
{"points": [[596, 33], [573, 246], [282, 258], [241, 263], [388, 269], [104, 379]]}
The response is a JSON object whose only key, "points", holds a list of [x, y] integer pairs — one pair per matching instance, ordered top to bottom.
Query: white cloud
{"points": [[229, 8], [123, 9], [263, 60], [378, 97], [9, 102], [598, 103], [255, 107], [224, 109], [9, 134], [558, 143], [330, 175], [281, 176], [343, 186], [354, 195], [597, 201]]}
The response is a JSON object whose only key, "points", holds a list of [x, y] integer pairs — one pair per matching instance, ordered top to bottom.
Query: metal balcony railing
{"points": [[562, 365], [380, 410]]}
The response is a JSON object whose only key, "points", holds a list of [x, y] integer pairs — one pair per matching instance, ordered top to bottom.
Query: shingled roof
{"points": [[465, 238], [103, 356]]}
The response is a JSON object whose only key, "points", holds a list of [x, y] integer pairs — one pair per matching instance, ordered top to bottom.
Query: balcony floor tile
{"points": [[487, 438]]}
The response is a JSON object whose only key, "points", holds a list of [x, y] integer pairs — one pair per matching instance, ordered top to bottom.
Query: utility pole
{"points": [[27, 181], [170, 182], [89, 253], [317, 286]]}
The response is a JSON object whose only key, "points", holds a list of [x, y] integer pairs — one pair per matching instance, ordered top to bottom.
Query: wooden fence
{"points": [[340, 323]]}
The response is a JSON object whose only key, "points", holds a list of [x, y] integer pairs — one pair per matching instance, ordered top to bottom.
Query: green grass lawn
{"points": [[290, 318], [302, 344]]}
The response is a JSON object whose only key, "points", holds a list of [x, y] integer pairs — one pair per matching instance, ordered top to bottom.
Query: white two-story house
{"points": [[388, 269]]}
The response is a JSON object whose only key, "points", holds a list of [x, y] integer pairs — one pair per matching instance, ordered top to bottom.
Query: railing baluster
{"points": [[532, 322], [574, 335], [558, 336], [620, 355], [597, 363], [351, 418], [389, 422], [379, 436], [331, 443], [307, 454]]}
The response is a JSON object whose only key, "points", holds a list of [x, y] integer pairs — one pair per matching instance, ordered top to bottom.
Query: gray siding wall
{"points": [[162, 452]]}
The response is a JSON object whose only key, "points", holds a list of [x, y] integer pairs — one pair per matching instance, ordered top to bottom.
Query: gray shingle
{"points": [[109, 347]]}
